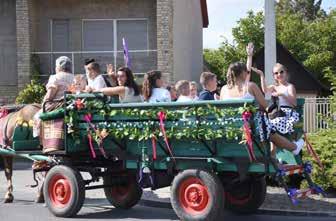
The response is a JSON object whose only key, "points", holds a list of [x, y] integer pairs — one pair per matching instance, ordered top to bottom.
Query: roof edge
{"points": [[205, 16]]}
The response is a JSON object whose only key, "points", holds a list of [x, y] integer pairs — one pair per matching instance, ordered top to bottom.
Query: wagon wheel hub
{"points": [[61, 192], [194, 196]]}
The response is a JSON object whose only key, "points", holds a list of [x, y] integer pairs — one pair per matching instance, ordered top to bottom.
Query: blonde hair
{"points": [[284, 68], [183, 87]]}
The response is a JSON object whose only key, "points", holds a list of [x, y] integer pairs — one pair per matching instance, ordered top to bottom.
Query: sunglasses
{"points": [[280, 72]]}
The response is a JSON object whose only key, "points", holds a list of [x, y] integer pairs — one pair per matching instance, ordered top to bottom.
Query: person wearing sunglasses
{"points": [[238, 88], [286, 94]]}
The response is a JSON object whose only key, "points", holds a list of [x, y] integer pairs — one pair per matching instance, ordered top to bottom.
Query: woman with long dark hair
{"points": [[152, 88], [238, 88], [127, 89]]}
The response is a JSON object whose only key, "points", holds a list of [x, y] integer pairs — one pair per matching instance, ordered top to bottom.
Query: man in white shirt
{"points": [[95, 80]]}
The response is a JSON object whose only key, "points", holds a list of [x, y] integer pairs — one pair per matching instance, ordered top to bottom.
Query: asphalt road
{"points": [[98, 208]]}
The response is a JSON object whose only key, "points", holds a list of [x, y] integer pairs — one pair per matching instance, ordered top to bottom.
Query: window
{"points": [[135, 31], [60, 35], [98, 35], [106, 36]]}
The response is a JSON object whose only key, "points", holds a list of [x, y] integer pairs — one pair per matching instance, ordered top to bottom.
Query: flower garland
{"points": [[202, 122]]}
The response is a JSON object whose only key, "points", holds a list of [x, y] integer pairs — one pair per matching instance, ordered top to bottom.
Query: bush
{"points": [[32, 93], [324, 143]]}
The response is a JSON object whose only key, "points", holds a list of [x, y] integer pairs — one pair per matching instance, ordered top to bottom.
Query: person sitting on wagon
{"points": [[96, 81], [208, 81], [79, 84], [152, 88], [238, 88], [127, 89], [183, 89], [193, 91], [173, 93], [286, 94], [52, 133]]}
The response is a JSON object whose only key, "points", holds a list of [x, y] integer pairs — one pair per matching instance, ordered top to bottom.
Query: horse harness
{"points": [[8, 111]]}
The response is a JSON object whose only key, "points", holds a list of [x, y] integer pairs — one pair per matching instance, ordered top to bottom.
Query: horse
{"points": [[8, 122]]}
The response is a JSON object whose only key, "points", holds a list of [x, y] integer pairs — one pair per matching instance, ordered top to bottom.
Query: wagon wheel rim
{"points": [[59, 190], [194, 196]]}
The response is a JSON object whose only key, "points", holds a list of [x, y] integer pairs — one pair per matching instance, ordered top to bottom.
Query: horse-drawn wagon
{"points": [[208, 152]]}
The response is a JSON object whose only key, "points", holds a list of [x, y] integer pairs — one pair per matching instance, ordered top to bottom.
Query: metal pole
{"points": [[270, 40]]}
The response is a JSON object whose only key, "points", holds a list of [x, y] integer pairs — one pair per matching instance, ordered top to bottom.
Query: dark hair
{"points": [[89, 61], [95, 66], [235, 69], [130, 82], [149, 83], [170, 87]]}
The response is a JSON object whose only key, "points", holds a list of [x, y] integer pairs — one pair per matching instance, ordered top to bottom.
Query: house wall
{"points": [[45, 11], [165, 38], [188, 40], [8, 68]]}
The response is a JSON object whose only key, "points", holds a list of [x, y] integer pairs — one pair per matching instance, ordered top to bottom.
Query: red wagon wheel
{"points": [[59, 191], [64, 191], [123, 195], [197, 195], [194, 196], [246, 196]]}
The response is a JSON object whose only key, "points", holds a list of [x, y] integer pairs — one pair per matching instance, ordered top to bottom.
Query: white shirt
{"points": [[97, 83], [160, 95], [130, 97], [182, 98], [282, 100]]}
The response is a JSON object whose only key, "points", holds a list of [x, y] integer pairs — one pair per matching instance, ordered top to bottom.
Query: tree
{"points": [[309, 9], [249, 29], [312, 42]]}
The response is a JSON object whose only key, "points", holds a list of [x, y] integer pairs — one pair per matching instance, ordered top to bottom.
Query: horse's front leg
{"points": [[8, 163]]}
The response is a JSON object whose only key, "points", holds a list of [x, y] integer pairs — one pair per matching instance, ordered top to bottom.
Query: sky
{"points": [[224, 14]]}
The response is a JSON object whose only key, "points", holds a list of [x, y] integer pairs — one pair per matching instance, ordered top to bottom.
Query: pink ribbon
{"points": [[162, 118], [88, 119], [248, 135], [154, 147], [93, 153]]}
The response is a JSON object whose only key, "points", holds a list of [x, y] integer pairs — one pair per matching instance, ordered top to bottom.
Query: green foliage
{"points": [[308, 9], [302, 27], [249, 29], [330, 75], [32, 93], [199, 122], [324, 143]]}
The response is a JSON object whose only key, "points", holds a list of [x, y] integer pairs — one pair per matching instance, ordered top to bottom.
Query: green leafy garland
{"points": [[202, 122]]}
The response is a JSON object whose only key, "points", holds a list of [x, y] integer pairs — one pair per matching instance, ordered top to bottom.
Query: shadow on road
{"points": [[101, 209]]}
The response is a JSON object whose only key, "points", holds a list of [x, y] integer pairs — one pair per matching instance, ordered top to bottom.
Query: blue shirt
{"points": [[206, 95]]}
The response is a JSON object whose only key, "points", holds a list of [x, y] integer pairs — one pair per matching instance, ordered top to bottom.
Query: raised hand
{"points": [[250, 49]]}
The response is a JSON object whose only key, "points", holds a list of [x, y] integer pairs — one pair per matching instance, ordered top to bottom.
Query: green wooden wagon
{"points": [[199, 149]]}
